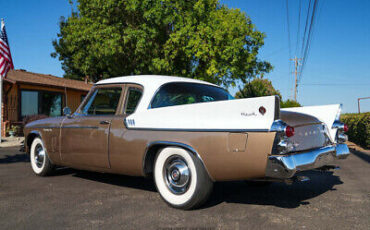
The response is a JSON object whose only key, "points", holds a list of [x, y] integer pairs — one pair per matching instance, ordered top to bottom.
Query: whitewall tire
{"points": [[40, 161], [181, 178]]}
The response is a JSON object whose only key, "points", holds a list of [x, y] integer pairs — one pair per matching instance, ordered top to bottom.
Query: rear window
{"points": [[181, 93]]}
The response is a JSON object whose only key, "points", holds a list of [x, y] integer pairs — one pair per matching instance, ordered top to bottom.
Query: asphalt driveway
{"points": [[73, 199]]}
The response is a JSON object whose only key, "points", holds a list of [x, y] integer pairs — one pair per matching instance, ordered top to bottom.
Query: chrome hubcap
{"points": [[39, 155], [176, 174]]}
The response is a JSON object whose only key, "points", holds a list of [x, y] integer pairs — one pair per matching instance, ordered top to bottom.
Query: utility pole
{"points": [[296, 64]]}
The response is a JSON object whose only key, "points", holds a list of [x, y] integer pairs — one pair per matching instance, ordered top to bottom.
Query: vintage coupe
{"points": [[186, 134]]}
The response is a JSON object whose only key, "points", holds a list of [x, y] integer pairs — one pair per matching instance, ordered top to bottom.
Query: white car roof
{"points": [[150, 80], [150, 83]]}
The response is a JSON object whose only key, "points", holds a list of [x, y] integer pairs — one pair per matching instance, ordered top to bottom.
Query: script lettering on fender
{"points": [[244, 114]]}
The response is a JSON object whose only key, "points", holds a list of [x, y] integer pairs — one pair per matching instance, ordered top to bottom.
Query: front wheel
{"points": [[40, 161], [181, 178]]}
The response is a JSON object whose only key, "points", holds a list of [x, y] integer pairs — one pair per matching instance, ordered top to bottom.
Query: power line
{"points": [[288, 24], [299, 25], [305, 27], [309, 38], [306, 39], [277, 51]]}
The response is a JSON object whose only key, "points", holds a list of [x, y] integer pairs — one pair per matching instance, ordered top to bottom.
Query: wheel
{"points": [[40, 161], [181, 179]]}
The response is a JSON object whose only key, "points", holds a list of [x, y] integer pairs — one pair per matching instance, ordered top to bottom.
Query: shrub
{"points": [[358, 128]]}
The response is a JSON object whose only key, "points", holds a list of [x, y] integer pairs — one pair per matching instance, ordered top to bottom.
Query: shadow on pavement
{"points": [[363, 156], [8, 159], [107, 178], [276, 194]]}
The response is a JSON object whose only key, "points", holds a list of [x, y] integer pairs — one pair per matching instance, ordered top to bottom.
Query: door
{"points": [[85, 135], [124, 148]]}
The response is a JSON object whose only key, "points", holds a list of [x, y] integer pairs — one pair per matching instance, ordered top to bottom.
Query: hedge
{"points": [[358, 128]]}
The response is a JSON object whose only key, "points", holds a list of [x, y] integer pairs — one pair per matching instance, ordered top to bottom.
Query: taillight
{"points": [[345, 128], [289, 131], [282, 143]]}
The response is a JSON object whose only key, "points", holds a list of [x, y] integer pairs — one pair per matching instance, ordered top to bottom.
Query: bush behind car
{"points": [[358, 128]]}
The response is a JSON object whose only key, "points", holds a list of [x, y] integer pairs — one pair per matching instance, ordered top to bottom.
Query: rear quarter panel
{"points": [[222, 161]]}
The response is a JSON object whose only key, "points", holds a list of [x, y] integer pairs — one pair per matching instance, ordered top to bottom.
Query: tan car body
{"points": [[104, 144]]}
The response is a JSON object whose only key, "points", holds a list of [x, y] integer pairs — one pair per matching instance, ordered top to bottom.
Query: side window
{"points": [[181, 93], [133, 98], [103, 101]]}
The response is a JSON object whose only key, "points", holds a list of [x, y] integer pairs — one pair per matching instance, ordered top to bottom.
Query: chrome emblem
{"points": [[262, 110], [130, 122]]}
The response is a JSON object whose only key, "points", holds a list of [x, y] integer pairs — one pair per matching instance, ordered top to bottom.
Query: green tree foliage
{"points": [[200, 39], [259, 87], [289, 103]]}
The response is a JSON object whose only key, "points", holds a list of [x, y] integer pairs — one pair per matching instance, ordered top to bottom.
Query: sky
{"points": [[337, 69]]}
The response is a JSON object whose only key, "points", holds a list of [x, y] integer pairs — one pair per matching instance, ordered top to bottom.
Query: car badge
{"points": [[262, 110]]}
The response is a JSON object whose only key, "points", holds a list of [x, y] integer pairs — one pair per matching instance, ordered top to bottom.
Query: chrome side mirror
{"points": [[67, 111]]}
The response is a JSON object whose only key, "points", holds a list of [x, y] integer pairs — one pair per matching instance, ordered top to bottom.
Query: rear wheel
{"points": [[40, 161], [181, 179]]}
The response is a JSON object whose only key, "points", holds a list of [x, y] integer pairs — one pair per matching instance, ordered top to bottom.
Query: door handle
{"points": [[104, 122]]}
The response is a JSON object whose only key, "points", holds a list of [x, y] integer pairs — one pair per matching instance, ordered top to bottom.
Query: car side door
{"points": [[85, 134], [125, 158]]}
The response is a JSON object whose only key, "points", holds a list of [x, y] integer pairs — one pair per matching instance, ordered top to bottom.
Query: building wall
{"points": [[72, 100], [12, 104], [11, 109]]}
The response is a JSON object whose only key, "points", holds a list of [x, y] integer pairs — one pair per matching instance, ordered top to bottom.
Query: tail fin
{"points": [[325, 113]]}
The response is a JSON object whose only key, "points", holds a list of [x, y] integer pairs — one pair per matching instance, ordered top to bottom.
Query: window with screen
{"points": [[133, 98], [103, 101]]}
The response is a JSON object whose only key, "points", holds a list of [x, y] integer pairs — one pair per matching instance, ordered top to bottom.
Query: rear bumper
{"points": [[283, 167]]}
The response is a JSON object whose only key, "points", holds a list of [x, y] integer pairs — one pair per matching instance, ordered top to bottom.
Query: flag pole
{"points": [[6, 63], [1, 101], [1, 107]]}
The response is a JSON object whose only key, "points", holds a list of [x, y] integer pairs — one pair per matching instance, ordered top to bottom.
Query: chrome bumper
{"points": [[283, 167]]}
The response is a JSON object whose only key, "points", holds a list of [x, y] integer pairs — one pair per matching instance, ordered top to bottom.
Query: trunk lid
{"points": [[296, 119], [309, 131]]}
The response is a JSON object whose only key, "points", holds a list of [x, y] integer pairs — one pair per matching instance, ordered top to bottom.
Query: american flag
{"points": [[6, 62]]}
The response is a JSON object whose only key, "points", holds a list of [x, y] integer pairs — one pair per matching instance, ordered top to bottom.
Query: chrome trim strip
{"points": [[278, 126], [46, 127], [80, 127], [198, 130], [169, 143], [283, 167]]}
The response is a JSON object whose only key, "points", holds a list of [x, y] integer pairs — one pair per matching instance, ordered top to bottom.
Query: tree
{"points": [[200, 39], [258, 87], [262, 87], [289, 103]]}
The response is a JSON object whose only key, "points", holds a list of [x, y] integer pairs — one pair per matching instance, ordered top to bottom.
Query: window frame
{"points": [[176, 82], [127, 88], [89, 95]]}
